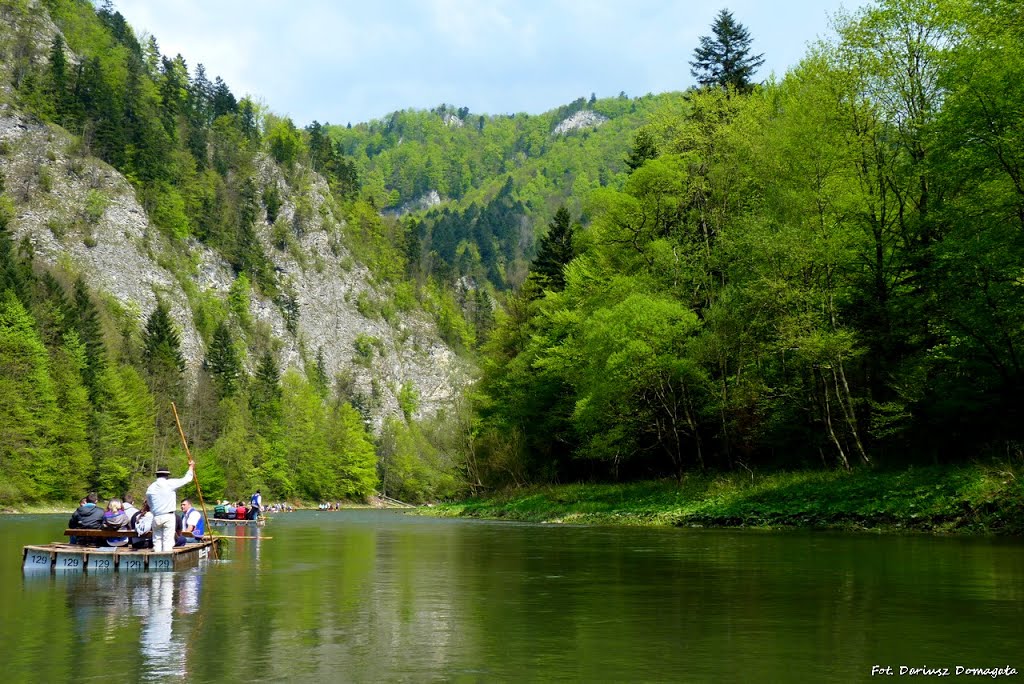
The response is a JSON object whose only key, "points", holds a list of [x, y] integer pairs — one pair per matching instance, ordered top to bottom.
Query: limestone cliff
{"points": [[82, 215]]}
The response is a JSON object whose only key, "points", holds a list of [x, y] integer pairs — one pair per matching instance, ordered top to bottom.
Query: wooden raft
{"points": [[227, 522], [64, 557]]}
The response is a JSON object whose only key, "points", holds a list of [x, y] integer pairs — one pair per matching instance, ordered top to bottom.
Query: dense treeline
{"points": [[823, 272]]}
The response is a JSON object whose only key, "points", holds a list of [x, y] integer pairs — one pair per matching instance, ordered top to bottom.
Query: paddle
{"points": [[195, 473]]}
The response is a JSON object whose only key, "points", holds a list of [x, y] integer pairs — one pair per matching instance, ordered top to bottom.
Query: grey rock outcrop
{"points": [[581, 119], [83, 217]]}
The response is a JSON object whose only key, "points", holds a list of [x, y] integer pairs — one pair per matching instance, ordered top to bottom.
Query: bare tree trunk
{"points": [[846, 402], [845, 462]]}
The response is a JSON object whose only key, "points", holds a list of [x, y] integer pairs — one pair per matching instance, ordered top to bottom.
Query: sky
{"points": [[351, 61]]}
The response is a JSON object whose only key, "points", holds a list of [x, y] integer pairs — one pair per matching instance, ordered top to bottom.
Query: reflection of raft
{"points": [[259, 522], [61, 557]]}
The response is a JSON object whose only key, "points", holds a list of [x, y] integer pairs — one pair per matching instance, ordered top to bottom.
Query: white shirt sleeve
{"points": [[181, 481]]}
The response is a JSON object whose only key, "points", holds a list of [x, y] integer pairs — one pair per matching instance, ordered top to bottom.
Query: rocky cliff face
{"points": [[579, 120], [83, 216]]}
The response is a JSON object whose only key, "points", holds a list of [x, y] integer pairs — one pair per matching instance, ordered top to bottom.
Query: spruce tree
{"points": [[723, 59], [58, 81], [644, 148], [556, 250], [85, 321], [162, 354], [222, 361], [165, 368], [265, 394]]}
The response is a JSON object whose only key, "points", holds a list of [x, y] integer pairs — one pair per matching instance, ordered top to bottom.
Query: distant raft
{"points": [[228, 522]]}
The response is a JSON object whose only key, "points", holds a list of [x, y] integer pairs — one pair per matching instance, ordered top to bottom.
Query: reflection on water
{"points": [[372, 596], [156, 599], [146, 611]]}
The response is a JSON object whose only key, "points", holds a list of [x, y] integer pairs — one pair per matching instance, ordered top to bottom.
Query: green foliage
{"points": [[284, 141], [95, 204], [555, 252], [822, 270], [239, 301], [364, 346], [223, 362], [408, 400], [28, 412], [235, 451], [413, 469]]}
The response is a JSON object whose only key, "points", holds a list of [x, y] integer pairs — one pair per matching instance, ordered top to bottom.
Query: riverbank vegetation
{"points": [[967, 499]]}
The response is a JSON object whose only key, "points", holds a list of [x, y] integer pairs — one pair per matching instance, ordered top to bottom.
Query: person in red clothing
{"points": [[240, 511]]}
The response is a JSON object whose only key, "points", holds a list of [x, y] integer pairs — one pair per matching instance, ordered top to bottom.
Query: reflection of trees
{"points": [[365, 597]]}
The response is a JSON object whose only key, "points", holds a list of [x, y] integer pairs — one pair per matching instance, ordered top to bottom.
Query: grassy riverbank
{"points": [[972, 499]]}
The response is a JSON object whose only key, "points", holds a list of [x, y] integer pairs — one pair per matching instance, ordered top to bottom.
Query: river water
{"points": [[379, 596]]}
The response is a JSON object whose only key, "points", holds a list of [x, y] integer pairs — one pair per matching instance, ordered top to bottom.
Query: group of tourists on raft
{"points": [[225, 510], [156, 515]]}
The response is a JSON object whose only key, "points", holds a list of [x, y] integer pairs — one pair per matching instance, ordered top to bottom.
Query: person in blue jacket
{"points": [[256, 505]]}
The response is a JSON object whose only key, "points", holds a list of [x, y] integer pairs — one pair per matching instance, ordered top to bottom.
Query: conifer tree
{"points": [[723, 59], [58, 82], [644, 148], [556, 250], [86, 322], [162, 352], [222, 361], [165, 369], [265, 394]]}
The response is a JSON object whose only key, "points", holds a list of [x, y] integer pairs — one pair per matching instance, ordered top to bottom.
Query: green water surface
{"points": [[378, 596]]}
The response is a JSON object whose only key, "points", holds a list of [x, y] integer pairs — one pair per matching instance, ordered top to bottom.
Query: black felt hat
{"points": [[162, 471]]}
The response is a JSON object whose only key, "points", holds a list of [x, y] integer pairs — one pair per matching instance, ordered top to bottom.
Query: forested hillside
{"points": [[495, 181], [824, 271]]}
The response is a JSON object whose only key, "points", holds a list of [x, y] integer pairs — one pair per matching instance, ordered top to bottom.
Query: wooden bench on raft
{"points": [[106, 534]]}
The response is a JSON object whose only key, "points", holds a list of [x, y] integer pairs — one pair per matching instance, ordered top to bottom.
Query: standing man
{"points": [[161, 499], [257, 505]]}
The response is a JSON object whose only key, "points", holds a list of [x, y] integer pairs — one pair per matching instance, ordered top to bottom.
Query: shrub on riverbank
{"points": [[972, 499]]}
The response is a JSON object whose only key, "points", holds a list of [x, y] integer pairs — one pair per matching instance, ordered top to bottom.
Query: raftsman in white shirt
{"points": [[160, 494]]}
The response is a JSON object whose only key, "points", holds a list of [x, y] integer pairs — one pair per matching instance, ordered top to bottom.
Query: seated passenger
{"points": [[240, 511], [88, 516], [115, 519], [143, 525], [193, 526]]}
